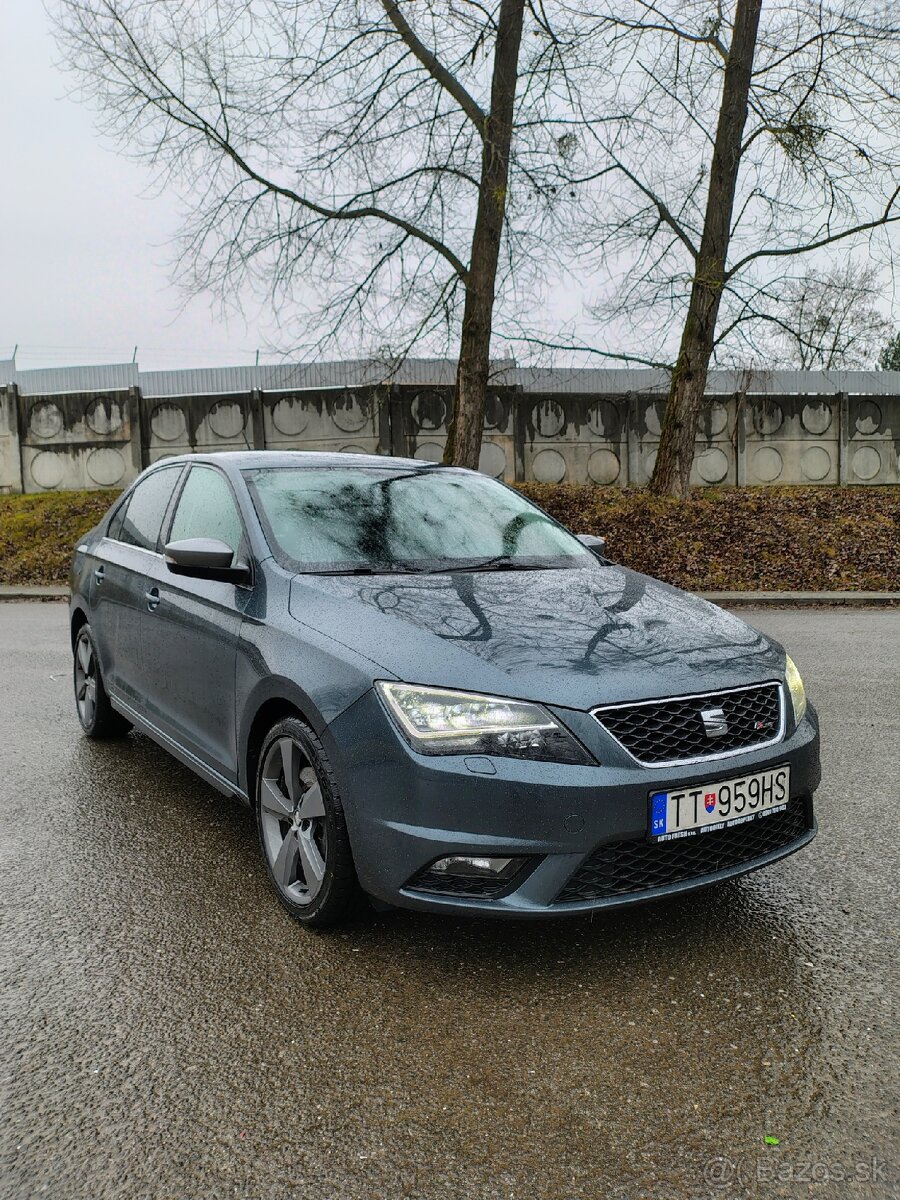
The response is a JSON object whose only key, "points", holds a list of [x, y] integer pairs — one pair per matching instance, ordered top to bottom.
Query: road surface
{"points": [[168, 1032]]}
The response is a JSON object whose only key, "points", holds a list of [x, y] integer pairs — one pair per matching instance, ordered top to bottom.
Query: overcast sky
{"points": [[85, 241]]}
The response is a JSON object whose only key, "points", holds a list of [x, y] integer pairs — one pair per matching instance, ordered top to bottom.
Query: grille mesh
{"points": [[673, 730], [635, 865], [446, 884]]}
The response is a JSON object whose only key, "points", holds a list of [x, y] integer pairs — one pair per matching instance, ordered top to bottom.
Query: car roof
{"points": [[242, 460]]}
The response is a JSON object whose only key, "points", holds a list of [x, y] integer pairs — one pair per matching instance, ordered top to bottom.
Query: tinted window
{"points": [[147, 507], [206, 509], [428, 519]]}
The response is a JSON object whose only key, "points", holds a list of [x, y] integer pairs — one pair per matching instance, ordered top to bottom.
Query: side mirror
{"points": [[593, 543], [205, 558]]}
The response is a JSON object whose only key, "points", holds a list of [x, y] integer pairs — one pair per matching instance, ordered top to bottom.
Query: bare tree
{"points": [[765, 133], [391, 164], [830, 320], [889, 358]]}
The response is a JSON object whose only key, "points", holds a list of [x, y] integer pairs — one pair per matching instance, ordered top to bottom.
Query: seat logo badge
{"points": [[714, 722]]}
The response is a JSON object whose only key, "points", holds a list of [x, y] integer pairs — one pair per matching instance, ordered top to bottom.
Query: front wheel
{"points": [[97, 716], [302, 830]]}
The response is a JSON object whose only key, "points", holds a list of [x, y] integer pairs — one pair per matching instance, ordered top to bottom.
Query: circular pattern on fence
{"points": [[427, 410], [494, 411], [349, 413], [104, 416], [289, 417], [653, 417], [768, 417], [549, 418], [816, 418], [868, 418], [226, 419], [713, 419], [603, 420], [45, 421], [167, 423], [354, 450], [429, 452], [492, 460], [866, 462], [815, 463], [767, 464], [712, 465], [105, 466], [548, 466], [603, 467], [46, 469]]}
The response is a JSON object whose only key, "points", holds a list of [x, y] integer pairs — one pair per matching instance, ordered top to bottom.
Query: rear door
{"points": [[125, 559], [190, 636]]}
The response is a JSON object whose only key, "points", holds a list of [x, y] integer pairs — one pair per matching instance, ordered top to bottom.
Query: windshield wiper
{"points": [[500, 562], [364, 569]]}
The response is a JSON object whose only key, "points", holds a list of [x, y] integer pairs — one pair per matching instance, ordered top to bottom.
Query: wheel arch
{"points": [[77, 619], [281, 699]]}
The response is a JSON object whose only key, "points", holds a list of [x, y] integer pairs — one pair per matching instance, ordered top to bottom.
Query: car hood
{"points": [[574, 638]]}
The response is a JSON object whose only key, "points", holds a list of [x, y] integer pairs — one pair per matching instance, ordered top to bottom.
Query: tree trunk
{"points": [[466, 426], [672, 472]]}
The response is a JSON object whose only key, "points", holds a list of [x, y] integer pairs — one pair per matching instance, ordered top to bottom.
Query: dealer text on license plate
{"points": [[711, 806]]}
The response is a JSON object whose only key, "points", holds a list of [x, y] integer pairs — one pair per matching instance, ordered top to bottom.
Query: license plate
{"points": [[710, 806]]}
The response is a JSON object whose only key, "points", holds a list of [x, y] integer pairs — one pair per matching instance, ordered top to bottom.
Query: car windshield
{"points": [[368, 519]]}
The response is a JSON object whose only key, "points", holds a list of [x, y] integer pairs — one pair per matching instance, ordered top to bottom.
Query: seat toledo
{"points": [[431, 693]]}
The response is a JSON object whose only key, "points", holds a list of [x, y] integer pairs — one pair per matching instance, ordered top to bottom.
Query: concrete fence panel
{"points": [[54, 439]]}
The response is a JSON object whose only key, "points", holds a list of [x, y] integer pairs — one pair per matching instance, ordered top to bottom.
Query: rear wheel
{"points": [[97, 716], [302, 830]]}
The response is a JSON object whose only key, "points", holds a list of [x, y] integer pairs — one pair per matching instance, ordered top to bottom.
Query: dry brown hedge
{"points": [[743, 539], [773, 539]]}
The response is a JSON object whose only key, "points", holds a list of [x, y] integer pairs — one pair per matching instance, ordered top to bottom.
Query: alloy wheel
{"points": [[85, 680], [292, 818]]}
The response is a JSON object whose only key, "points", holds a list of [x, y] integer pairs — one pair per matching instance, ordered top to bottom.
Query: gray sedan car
{"points": [[432, 694]]}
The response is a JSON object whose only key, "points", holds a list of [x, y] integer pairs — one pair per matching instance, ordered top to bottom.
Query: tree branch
{"points": [[435, 67], [787, 251]]}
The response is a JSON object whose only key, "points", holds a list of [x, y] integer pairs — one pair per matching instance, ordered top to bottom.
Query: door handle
{"points": [[99, 574], [152, 598]]}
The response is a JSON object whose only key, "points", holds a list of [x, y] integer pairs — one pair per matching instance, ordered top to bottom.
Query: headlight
{"points": [[796, 688], [437, 721]]}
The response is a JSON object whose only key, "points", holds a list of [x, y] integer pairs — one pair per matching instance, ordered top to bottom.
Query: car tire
{"points": [[97, 716], [302, 832]]}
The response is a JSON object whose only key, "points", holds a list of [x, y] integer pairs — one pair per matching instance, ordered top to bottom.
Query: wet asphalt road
{"points": [[168, 1032]]}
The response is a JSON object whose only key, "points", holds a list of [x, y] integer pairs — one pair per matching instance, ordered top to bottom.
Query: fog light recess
{"points": [[468, 875]]}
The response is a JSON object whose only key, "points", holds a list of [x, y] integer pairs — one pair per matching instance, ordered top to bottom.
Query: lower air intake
{"points": [[618, 868]]}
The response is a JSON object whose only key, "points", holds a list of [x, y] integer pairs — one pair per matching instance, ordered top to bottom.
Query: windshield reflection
{"points": [[369, 520]]}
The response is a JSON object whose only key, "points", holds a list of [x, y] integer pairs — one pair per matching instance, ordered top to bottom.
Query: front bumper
{"points": [[405, 810]]}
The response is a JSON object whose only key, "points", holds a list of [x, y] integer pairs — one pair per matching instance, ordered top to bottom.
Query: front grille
{"points": [[672, 731], [635, 865]]}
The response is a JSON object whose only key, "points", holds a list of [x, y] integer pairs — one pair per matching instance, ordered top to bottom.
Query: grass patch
{"points": [[38, 533], [741, 539]]}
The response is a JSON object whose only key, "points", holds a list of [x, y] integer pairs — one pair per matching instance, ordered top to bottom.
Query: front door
{"points": [[191, 629]]}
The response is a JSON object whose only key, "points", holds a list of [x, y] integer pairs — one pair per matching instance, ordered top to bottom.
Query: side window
{"points": [[146, 508], [206, 509], [115, 526]]}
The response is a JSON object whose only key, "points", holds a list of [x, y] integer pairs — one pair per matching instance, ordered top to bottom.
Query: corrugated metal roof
{"points": [[431, 372], [52, 381]]}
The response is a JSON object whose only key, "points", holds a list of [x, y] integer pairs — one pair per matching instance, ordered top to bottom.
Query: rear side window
{"points": [[206, 509], [143, 517]]}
